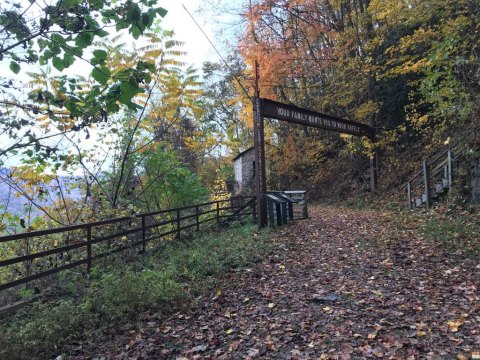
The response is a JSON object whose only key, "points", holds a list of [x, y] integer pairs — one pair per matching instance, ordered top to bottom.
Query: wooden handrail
{"points": [[453, 147]]}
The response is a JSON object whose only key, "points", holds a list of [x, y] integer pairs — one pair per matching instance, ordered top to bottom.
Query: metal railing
{"points": [[68, 247]]}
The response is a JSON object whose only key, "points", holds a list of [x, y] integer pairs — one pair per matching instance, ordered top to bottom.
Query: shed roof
{"points": [[243, 153]]}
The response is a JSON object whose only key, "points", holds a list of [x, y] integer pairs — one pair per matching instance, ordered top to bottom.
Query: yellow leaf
{"points": [[43, 117], [271, 305], [327, 309], [454, 325], [229, 331], [372, 336]]}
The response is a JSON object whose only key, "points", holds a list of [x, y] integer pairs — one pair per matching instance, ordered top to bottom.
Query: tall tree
{"points": [[60, 34]]}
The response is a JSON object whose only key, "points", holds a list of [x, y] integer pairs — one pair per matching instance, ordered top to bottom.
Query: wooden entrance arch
{"points": [[279, 111]]}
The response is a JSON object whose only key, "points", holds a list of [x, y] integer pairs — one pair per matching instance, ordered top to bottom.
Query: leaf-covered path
{"points": [[345, 284]]}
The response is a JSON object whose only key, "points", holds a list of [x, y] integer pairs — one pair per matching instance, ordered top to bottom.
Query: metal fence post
{"points": [[426, 180], [197, 216], [178, 224], [144, 234], [89, 248]]}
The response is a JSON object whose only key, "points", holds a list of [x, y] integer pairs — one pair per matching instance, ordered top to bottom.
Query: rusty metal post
{"points": [[259, 145], [260, 181], [197, 216], [178, 224], [144, 233], [89, 248]]}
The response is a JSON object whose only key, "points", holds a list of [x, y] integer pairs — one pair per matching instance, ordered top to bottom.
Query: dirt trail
{"points": [[345, 284]]}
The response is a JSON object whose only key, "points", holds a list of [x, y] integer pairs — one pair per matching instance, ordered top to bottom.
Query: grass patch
{"points": [[369, 202], [452, 230], [458, 234], [159, 281]]}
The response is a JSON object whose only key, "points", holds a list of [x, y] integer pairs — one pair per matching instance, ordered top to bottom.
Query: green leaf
{"points": [[162, 12], [133, 13], [145, 19], [135, 31], [101, 33], [56, 38], [83, 40], [100, 54], [47, 55], [68, 59], [58, 63], [15, 67], [101, 75], [129, 90], [112, 107]]}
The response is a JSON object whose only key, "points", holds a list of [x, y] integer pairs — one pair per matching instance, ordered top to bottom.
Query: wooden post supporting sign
{"points": [[259, 145], [260, 181]]}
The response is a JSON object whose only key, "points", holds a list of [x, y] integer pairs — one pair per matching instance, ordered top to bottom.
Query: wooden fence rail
{"points": [[84, 243]]}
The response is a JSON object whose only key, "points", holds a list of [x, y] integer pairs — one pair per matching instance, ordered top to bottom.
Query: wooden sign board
{"points": [[293, 114]]}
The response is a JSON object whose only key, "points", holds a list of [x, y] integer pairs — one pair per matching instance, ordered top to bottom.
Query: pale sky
{"points": [[178, 20]]}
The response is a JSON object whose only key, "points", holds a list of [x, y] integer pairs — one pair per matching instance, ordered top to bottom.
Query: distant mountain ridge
{"points": [[17, 204]]}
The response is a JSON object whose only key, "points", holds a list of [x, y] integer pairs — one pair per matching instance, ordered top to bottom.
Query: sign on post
{"points": [[276, 110]]}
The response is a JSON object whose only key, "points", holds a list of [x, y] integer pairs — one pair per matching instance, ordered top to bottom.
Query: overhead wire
{"points": [[218, 52]]}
